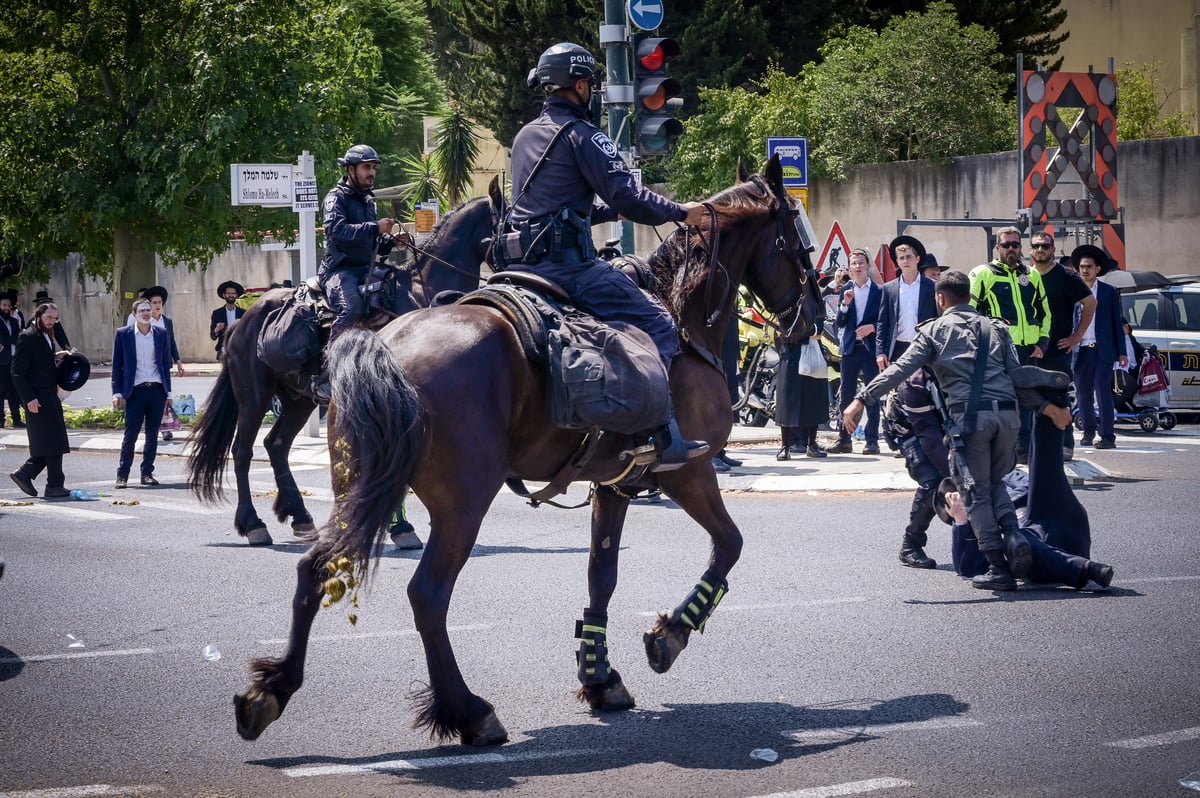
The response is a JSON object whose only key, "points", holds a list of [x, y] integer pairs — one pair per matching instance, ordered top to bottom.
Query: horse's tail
{"points": [[375, 433], [211, 438]]}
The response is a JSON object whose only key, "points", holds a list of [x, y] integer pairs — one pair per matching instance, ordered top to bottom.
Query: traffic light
{"points": [[656, 95]]}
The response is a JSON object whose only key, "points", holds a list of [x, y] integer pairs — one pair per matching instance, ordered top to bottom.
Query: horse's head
{"points": [[757, 235], [452, 257]]}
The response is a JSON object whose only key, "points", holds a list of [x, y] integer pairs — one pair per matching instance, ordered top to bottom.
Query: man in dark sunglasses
{"points": [[1008, 289]]}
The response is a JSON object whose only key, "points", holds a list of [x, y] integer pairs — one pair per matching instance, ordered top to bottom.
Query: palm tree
{"points": [[455, 153]]}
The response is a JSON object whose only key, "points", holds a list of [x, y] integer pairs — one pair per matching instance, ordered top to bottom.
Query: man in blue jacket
{"points": [[561, 163], [858, 320], [1101, 346], [141, 383]]}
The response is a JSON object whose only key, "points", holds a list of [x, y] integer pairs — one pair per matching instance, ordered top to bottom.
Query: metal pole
{"points": [[618, 95], [308, 259]]}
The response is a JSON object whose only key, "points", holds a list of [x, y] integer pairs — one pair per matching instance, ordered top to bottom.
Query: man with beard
{"points": [[9, 329], [35, 373]]}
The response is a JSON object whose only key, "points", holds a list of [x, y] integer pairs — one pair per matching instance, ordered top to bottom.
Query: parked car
{"points": [[1169, 318]]}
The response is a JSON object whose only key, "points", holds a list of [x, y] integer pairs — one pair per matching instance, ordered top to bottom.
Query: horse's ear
{"points": [[773, 173], [742, 174], [496, 195]]}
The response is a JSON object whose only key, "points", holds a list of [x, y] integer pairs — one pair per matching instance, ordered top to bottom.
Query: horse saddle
{"points": [[600, 375]]}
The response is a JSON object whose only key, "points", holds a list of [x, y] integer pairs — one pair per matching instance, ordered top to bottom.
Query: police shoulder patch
{"points": [[602, 141]]}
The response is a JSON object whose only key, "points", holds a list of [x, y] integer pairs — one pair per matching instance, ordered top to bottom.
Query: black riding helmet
{"points": [[561, 65], [357, 154]]}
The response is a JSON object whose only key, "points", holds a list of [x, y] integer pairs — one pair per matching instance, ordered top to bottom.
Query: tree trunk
{"points": [[133, 268]]}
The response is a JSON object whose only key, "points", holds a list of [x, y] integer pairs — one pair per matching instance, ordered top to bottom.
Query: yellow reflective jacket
{"points": [[1016, 296]]}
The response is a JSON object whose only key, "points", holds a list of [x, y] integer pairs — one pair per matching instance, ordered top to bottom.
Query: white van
{"points": [[1169, 318]]}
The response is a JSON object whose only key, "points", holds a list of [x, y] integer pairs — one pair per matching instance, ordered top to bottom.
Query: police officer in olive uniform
{"points": [[567, 176], [351, 234]]}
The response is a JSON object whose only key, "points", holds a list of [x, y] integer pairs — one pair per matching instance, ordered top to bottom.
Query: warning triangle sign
{"points": [[835, 253]]}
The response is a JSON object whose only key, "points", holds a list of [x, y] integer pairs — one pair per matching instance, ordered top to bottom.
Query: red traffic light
{"points": [[654, 53]]}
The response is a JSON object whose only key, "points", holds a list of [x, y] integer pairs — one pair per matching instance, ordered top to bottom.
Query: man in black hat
{"points": [[929, 267], [158, 298], [907, 301], [227, 315], [9, 329], [1101, 345], [35, 374]]}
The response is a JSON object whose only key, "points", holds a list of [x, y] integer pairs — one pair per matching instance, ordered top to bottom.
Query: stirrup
{"points": [[320, 388], [675, 451]]}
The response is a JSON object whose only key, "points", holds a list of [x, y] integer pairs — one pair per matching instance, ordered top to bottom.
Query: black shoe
{"points": [[1087, 440], [1106, 443], [841, 447], [797, 448], [871, 448], [674, 450], [815, 451], [784, 454], [1068, 454], [724, 457], [720, 466], [148, 479], [122, 482], [24, 483], [57, 493], [1017, 552], [917, 558], [1100, 573], [996, 578]]}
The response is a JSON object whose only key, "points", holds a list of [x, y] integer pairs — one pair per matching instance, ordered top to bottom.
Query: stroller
{"points": [[1141, 398]]}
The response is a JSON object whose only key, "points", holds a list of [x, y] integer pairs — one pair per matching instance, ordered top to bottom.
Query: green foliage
{"points": [[1140, 101], [127, 114], [455, 153], [422, 182], [94, 418]]}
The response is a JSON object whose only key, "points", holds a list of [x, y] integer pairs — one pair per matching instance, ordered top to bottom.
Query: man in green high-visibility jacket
{"points": [[1008, 289]]}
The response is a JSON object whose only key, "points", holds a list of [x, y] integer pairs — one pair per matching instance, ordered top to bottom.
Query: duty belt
{"points": [[985, 404]]}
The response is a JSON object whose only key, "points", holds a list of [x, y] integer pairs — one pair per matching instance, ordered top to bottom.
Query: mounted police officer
{"points": [[567, 176], [351, 234]]}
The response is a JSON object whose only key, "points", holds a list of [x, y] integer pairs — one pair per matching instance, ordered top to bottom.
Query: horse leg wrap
{"points": [[701, 602], [592, 656]]}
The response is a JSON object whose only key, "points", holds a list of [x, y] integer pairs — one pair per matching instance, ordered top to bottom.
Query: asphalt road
{"points": [[864, 678]]}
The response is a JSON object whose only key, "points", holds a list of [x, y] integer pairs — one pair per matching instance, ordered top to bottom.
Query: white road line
{"points": [[70, 511], [1160, 579], [780, 606], [360, 635], [127, 652], [833, 734], [1154, 740], [394, 765], [847, 788], [83, 791]]}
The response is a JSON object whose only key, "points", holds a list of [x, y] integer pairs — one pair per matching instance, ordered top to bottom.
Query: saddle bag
{"points": [[290, 340], [605, 375]]}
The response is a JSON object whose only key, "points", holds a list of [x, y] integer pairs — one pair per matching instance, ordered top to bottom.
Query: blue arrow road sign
{"points": [[646, 14], [793, 157]]}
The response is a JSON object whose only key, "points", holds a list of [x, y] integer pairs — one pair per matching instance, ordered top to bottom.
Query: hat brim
{"points": [[912, 242], [1095, 253], [236, 286], [155, 291], [73, 372], [939, 500]]}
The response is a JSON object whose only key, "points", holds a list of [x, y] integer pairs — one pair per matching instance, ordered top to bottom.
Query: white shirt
{"points": [[861, 294], [230, 316], [906, 323], [1089, 335], [146, 369]]}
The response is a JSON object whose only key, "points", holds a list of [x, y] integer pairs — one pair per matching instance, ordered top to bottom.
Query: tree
{"points": [[1140, 102], [118, 120], [455, 153]]}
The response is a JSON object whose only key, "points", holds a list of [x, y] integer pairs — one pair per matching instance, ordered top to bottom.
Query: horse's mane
{"points": [[731, 205]]}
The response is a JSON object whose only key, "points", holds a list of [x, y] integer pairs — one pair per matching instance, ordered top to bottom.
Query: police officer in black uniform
{"points": [[560, 162], [351, 238]]}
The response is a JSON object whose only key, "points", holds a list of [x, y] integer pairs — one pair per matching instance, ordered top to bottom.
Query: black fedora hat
{"points": [[912, 242], [1095, 253], [928, 261], [236, 286], [155, 291], [10, 295], [42, 297], [73, 372], [939, 499]]}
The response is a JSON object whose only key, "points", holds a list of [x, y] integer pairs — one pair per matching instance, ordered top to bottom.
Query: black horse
{"points": [[450, 260], [446, 402]]}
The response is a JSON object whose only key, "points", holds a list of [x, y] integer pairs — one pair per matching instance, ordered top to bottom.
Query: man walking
{"points": [[1009, 290], [1102, 343], [35, 374], [141, 383]]}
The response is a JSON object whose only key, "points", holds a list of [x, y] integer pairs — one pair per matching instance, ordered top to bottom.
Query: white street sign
{"points": [[265, 184]]}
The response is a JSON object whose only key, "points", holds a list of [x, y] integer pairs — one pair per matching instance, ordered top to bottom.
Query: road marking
{"points": [[174, 507], [70, 511], [1160, 579], [779, 606], [360, 635], [127, 652], [833, 734], [1154, 740], [395, 765], [847, 788], [83, 791]]}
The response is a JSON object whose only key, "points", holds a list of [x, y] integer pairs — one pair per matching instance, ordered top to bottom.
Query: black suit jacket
{"points": [[889, 312], [218, 316], [9, 330], [35, 376]]}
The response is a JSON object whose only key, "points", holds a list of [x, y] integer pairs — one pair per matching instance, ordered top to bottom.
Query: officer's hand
{"points": [[695, 213], [385, 225], [402, 239], [850, 416], [1061, 416]]}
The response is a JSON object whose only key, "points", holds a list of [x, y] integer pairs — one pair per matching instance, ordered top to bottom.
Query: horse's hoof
{"points": [[303, 526], [259, 536], [407, 541], [661, 651], [608, 698], [256, 709], [490, 732]]}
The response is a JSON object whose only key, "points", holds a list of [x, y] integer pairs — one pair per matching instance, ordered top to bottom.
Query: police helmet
{"points": [[561, 65], [359, 153], [73, 372]]}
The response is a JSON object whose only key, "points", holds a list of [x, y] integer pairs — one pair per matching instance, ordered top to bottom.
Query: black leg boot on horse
{"points": [[674, 450]]}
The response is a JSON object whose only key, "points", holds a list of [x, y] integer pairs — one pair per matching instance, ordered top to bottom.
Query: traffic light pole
{"points": [[618, 94]]}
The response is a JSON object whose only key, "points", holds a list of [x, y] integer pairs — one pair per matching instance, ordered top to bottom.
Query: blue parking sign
{"points": [[793, 157]]}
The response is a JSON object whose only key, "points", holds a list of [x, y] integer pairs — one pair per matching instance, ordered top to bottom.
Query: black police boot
{"points": [[674, 451], [1016, 547], [912, 553], [998, 577]]}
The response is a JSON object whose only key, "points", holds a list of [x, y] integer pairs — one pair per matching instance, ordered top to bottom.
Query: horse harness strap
{"points": [[527, 312], [566, 475]]}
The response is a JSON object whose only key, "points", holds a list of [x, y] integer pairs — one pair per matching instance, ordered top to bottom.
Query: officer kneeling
{"points": [[567, 176]]}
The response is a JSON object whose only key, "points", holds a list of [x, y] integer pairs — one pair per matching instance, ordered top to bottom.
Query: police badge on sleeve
{"points": [[601, 140]]}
